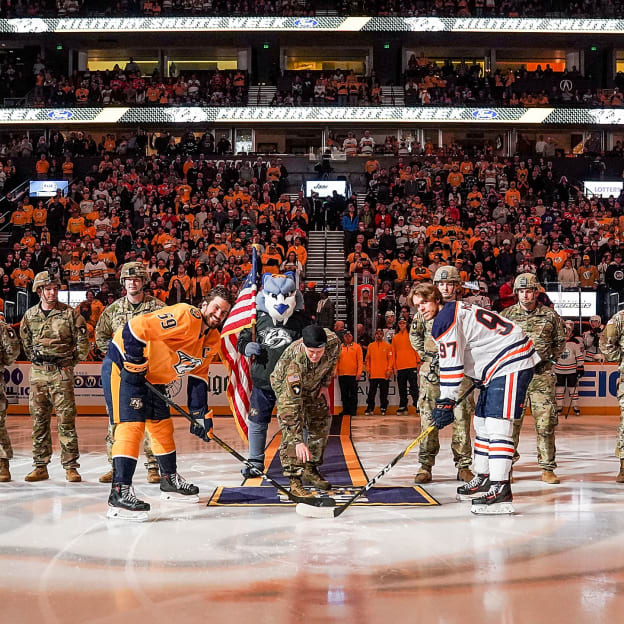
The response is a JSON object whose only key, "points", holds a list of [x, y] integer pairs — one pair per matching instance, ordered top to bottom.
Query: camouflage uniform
{"points": [[116, 315], [545, 328], [420, 337], [54, 344], [612, 347], [9, 350], [296, 382]]}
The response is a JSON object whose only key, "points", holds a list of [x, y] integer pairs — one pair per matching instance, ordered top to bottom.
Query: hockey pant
{"points": [[569, 383], [499, 404], [133, 409]]}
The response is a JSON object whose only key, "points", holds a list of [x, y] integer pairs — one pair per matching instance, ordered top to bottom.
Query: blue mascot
{"points": [[280, 321]]}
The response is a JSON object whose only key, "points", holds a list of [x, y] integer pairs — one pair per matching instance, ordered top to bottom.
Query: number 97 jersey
{"points": [[478, 343]]}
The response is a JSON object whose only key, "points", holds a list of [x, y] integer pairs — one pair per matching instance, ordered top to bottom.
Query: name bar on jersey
{"points": [[32, 25], [251, 115]]}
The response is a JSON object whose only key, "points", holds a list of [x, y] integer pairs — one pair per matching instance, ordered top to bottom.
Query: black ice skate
{"points": [[479, 484], [173, 487], [497, 500], [124, 505]]}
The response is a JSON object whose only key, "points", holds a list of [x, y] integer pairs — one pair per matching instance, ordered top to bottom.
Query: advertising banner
{"points": [[597, 389]]}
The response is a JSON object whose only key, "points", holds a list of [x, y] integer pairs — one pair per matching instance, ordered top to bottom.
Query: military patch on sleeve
{"points": [[196, 313], [82, 329], [11, 332], [294, 381]]}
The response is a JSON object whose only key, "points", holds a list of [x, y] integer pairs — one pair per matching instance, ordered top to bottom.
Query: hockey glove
{"points": [[253, 348], [580, 371], [134, 373], [443, 413], [202, 424]]}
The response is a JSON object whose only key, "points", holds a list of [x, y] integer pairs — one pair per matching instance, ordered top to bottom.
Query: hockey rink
{"points": [[559, 559]]}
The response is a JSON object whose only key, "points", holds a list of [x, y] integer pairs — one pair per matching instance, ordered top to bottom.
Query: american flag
{"points": [[242, 315]]}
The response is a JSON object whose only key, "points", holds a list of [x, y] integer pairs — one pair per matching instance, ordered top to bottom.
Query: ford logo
{"points": [[306, 22], [485, 114], [60, 115]]}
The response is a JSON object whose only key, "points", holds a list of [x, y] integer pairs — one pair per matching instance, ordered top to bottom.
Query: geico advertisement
{"points": [[597, 388]]}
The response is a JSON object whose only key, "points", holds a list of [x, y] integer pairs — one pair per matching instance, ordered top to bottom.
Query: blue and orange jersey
{"points": [[172, 339], [479, 343]]}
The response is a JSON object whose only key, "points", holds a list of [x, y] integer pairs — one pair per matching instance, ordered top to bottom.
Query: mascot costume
{"points": [[280, 320]]}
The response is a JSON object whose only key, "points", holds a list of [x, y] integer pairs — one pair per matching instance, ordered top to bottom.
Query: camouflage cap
{"points": [[133, 269], [447, 274], [43, 279], [525, 280]]}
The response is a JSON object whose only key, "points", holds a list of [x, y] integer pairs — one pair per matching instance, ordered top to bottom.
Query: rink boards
{"points": [[597, 389]]}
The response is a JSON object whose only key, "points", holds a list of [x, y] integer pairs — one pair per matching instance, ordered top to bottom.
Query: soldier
{"points": [[134, 278], [448, 281], [545, 328], [55, 340], [612, 347], [9, 350], [301, 382]]}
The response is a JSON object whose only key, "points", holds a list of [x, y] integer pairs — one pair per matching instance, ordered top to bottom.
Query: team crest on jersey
{"points": [[196, 313], [276, 338], [186, 363], [136, 403]]}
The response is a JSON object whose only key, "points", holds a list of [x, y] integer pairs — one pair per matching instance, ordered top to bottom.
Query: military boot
{"points": [[40, 473], [465, 474], [5, 475], [72, 475], [423, 475], [153, 476], [312, 476], [548, 476], [108, 477], [620, 477], [297, 489]]}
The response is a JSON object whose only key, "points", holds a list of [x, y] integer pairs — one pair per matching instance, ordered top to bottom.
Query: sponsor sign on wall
{"points": [[603, 188], [573, 304], [597, 389]]}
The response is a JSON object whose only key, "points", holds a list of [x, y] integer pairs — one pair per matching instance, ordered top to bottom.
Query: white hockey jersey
{"points": [[478, 343], [571, 358]]}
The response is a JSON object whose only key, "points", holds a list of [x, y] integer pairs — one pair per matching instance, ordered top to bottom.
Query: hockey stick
{"points": [[316, 502], [310, 512]]}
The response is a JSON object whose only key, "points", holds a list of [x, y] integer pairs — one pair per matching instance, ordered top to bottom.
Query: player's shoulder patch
{"points": [[195, 312]]}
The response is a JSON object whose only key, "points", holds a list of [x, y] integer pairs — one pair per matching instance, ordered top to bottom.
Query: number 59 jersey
{"points": [[171, 339], [478, 343]]}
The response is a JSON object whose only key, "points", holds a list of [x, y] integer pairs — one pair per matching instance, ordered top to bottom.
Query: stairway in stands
{"points": [[260, 95], [393, 96], [330, 273]]}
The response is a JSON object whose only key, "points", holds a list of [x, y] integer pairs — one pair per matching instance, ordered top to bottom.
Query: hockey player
{"points": [[133, 278], [448, 281], [280, 321], [545, 328], [591, 340], [159, 347], [612, 347], [500, 358], [569, 368]]}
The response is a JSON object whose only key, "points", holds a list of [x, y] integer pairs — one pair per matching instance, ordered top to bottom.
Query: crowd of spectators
{"points": [[441, 8], [427, 83], [129, 87], [331, 88], [492, 218], [192, 220]]}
